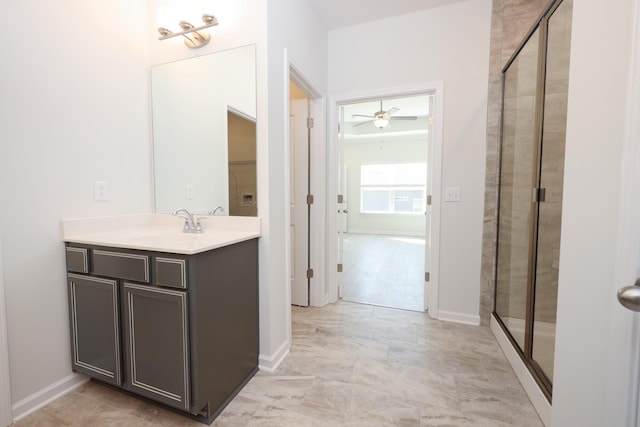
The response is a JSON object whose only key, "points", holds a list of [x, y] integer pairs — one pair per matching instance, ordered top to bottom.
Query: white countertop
{"points": [[159, 232]]}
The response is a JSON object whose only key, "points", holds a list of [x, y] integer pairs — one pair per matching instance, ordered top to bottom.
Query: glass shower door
{"points": [[535, 91], [518, 166], [551, 179]]}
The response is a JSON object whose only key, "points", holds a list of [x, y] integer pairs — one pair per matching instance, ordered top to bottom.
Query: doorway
{"points": [[241, 149], [386, 153], [305, 184], [299, 190]]}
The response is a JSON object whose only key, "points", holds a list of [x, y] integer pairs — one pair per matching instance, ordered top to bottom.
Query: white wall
{"points": [[294, 26], [449, 44], [74, 109], [589, 258]]}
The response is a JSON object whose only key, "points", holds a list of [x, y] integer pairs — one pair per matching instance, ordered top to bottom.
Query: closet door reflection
{"points": [[518, 166], [551, 179]]}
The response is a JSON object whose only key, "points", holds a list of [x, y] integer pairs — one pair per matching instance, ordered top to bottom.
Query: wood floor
{"points": [[384, 270]]}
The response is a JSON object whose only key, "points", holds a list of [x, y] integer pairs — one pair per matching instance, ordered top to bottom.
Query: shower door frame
{"points": [[526, 354]]}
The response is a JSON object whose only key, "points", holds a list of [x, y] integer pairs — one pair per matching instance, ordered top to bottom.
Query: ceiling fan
{"points": [[382, 118]]}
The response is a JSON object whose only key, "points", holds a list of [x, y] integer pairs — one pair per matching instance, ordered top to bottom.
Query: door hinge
{"points": [[309, 122], [539, 195], [340, 198], [309, 199], [429, 200], [339, 268], [310, 273], [427, 276]]}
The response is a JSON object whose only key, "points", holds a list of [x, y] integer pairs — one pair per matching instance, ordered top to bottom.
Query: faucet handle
{"points": [[200, 223]]}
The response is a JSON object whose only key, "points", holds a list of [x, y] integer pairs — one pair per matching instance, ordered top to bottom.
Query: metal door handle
{"points": [[629, 296]]}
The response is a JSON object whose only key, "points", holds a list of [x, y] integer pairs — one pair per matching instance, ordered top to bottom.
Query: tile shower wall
{"points": [[509, 24]]}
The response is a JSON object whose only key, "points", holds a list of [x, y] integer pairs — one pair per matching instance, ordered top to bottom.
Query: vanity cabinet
{"points": [[181, 330]]}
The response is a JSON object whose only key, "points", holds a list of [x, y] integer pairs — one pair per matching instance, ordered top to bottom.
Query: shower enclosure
{"points": [[535, 88]]}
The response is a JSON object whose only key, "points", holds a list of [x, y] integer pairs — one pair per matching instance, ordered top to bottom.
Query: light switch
{"points": [[452, 194]]}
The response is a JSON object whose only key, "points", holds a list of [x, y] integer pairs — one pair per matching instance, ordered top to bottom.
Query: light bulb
{"points": [[381, 122]]}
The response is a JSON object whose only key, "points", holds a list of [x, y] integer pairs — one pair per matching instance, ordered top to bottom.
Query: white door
{"points": [[429, 202], [342, 209], [299, 210], [597, 355], [623, 367], [623, 405]]}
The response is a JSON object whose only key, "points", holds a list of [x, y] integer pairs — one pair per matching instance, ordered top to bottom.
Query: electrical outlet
{"points": [[100, 191]]}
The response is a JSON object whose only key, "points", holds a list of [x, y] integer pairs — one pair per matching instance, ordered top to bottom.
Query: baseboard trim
{"points": [[417, 235], [451, 316], [271, 363], [43, 397], [538, 399]]}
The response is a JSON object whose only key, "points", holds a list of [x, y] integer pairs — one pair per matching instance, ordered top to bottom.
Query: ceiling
{"points": [[344, 13]]}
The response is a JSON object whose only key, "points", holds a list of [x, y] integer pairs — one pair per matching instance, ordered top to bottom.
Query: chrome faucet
{"points": [[213, 212], [190, 225]]}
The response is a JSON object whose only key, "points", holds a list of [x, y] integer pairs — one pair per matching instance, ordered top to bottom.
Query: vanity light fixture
{"points": [[194, 37]]}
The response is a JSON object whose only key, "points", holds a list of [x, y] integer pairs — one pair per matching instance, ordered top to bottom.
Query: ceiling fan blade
{"points": [[393, 110], [361, 115], [404, 117], [361, 123]]}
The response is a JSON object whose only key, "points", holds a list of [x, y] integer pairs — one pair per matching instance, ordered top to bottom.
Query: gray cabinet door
{"points": [[95, 339], [156, 343]]}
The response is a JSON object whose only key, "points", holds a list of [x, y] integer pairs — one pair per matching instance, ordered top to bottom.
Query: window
{"points": [[397, 188]]}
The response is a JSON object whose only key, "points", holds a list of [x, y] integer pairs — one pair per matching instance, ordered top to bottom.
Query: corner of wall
{"points": [[270, 363], [41, 398]]}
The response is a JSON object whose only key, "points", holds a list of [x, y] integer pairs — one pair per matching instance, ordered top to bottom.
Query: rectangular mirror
{"points": [[193, 101]]}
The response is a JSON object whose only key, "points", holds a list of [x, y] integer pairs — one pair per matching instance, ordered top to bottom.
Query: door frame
{"points": [[437, 88], [317, 291], [5, 389]]}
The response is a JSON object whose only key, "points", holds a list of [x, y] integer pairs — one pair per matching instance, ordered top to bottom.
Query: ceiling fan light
{"points": [[381, 122]]}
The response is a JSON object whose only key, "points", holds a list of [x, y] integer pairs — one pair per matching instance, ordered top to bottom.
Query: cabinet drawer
{"points": [[77, 260], [121, 265], [170, 272]]}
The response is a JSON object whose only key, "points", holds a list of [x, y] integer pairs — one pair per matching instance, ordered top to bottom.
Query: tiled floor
{"points": [[384, 270], [350, 365]]}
